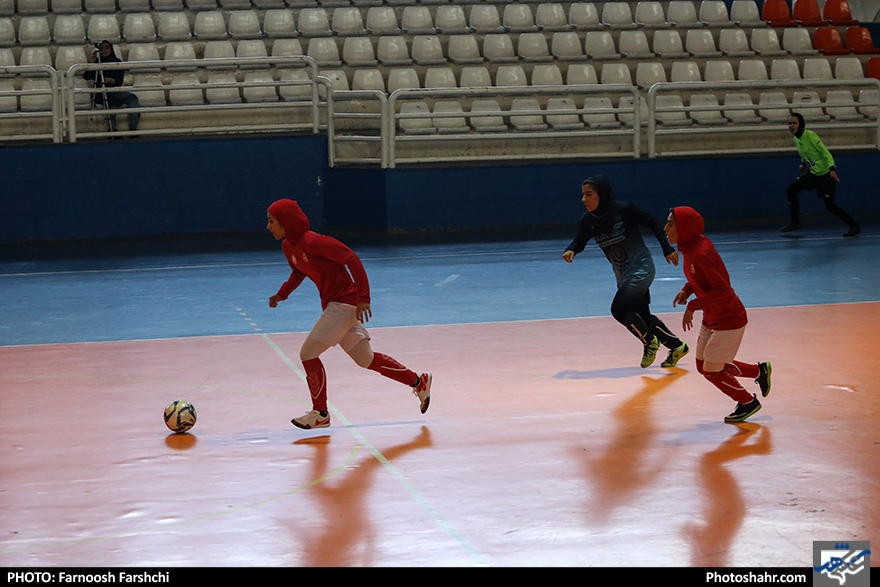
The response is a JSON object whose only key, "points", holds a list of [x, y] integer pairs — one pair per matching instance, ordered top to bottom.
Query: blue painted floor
{"points": [[154, 290], [545, 444]]}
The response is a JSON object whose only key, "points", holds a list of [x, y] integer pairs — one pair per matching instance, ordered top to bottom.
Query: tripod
{"points": [[99, 82]]}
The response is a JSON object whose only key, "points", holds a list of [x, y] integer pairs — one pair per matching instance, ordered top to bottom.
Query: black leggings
{"points": [[826, 188], [634, 313]]}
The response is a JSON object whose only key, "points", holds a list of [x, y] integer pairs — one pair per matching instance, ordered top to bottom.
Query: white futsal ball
{"points": [[180, 416]]}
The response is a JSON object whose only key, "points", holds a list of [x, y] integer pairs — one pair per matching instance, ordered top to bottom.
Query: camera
{"points": [[98, 46]]}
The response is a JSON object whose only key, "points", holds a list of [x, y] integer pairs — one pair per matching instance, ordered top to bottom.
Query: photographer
{"points": [[113, 78]]}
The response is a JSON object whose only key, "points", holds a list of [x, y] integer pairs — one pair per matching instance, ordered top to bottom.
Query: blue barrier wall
{"points": [[223, 186], [155, 188], [548, 196]]}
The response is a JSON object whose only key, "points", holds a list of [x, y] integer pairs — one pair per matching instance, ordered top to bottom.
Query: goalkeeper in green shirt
{"points": [[817, 173]]}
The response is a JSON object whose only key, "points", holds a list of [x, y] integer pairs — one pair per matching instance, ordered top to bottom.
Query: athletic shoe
{"points": [[791, 227], [853, 231], [650, 353], [675, 355], [763, 379], [422, 390], [744, 411], [312, 419]]}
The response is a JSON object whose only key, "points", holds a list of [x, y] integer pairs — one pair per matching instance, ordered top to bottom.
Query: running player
{"points": [[817, 173], [615, 227], [345, 298], [724, 316]]}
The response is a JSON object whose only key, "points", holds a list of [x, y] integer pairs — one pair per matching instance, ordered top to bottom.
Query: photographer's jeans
{"points": [[127, 99]]}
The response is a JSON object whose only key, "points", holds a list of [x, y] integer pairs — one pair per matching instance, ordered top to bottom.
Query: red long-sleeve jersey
{"points": [[334, 268], [706, 274]]}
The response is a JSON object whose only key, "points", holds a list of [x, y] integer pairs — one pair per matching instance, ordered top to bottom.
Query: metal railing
{"points": [[36, 106], [66, 111], [643, 115], [394, 117], [373, 119], [188, 125], [369, 127], [656, 130], [386, 136]]}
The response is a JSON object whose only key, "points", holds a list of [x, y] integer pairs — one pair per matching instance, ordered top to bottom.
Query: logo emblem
{"points": [[842, 563]]}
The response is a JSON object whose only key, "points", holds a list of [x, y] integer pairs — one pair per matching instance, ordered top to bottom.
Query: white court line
{"points": [[719, 241], [449, 279], [422, 325], [414, 493]]}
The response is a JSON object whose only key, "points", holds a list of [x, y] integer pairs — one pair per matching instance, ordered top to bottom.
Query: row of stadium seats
{"points": [[23, 7], [470, 13], [807, 13], [614, 14], [453, 19], [381, 20], [856, 40], [498, 46], [504, 47], [427, 51], [753, 68], [643, 73], [646, 74], [184, 89], [190, 89], [530, 114]]}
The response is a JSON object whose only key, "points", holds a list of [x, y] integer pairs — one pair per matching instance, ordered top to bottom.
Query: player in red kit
{"points": [[345, 299], [724, 316]]}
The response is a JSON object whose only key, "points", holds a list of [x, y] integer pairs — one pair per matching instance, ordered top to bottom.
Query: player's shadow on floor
{"points": [[612, 373], [630, 463], [725, 509], [339, 532]]}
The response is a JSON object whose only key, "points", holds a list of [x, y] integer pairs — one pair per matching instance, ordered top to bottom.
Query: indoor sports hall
{"points": [[136, 269]]}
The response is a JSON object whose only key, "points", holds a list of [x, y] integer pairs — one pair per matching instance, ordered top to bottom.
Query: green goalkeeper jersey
{"points": [[814, 153]]}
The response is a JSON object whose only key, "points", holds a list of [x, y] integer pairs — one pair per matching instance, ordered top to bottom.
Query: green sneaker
{"points": [[650, 353], [675, 355], [763, 379], [744, 411]]}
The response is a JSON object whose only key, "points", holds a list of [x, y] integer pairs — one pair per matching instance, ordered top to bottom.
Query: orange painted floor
{"points": [[544, 446]]}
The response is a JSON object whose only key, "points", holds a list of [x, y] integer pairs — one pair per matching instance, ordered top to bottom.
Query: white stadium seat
{"points": [[650, 15], [602, 113], [562, 114]]}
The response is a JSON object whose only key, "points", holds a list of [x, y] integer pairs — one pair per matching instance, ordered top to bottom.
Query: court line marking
{"points": [[718, 240], [425, 325], [377, 454], [160, 525]]}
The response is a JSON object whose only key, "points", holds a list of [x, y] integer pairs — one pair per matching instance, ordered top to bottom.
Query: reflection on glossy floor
{"points": [[545, 444]]}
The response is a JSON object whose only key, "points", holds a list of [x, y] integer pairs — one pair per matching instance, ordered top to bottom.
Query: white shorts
{"points": [[338, 324], [719, 346]]}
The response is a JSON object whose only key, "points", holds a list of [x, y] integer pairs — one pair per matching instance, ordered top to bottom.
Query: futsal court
{"points": [[545, 443]]}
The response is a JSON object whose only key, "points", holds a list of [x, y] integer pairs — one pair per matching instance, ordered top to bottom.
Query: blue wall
{"points": [[223, 186], [150, 188], [548, 196]]}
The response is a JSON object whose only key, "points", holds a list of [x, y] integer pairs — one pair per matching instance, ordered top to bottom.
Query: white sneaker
{"points": [[423, 391], [312, 419]]}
